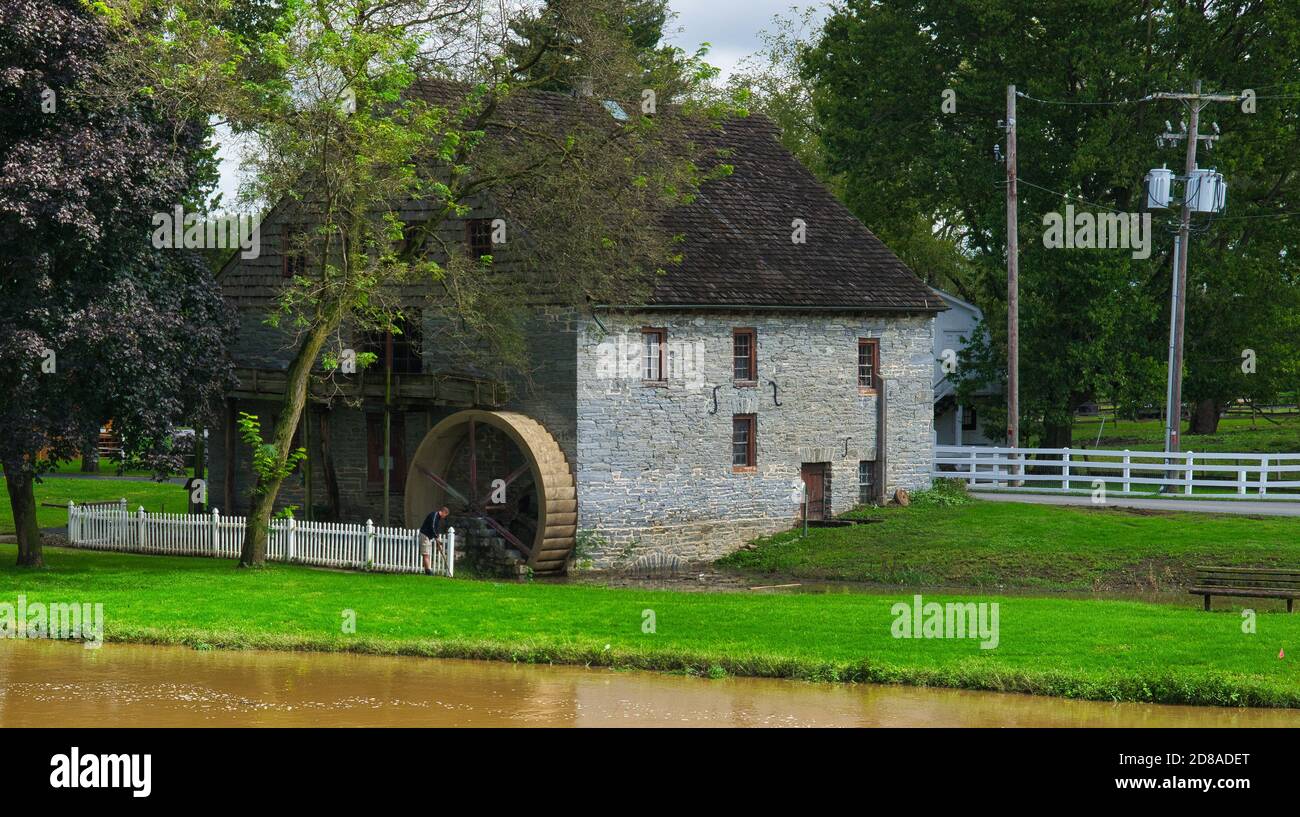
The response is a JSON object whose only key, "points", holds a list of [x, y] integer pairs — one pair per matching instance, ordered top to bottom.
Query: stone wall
{"points": [[654, 462]]}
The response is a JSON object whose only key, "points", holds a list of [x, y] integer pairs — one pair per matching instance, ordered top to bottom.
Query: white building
{"points": [[955, 423]]}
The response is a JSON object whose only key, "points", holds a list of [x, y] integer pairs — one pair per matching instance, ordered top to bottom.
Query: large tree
{"points": [[391, 119], [94, 323], [1094, 323]]}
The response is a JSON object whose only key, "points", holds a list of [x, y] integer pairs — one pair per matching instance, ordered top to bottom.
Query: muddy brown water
{"points": [[45, 683]]}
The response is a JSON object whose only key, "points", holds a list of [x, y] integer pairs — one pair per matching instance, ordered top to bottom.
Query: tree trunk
{"points": [[297, 379], [1205, 418], [1058, 435], [90, 454], [22, 499]]}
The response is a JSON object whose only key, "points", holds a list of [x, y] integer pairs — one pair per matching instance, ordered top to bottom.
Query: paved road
{"points": [[1274, 508]]}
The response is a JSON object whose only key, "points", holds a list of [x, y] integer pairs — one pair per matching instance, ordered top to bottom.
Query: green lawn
{"points": [[1281, 435], [108, 467], [154, 496], [998, 544], [1101, 650]]}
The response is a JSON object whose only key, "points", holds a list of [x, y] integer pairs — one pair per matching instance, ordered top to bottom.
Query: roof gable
{"points": [[738, 247]]}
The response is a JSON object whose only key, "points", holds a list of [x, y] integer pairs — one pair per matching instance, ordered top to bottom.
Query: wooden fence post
{"points": [[1191, 460], [1065, 469], [1128, 472], [1263, 475], [139, 528], [74, 529], [216, 532], [291, 540], [370, 542]]}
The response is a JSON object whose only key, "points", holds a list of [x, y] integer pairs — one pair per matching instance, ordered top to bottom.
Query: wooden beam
{"points": [[517, 473], [442, 483], [508, 536]]}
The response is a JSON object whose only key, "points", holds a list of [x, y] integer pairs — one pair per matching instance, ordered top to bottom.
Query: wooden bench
{"points": [[1253, 582]]}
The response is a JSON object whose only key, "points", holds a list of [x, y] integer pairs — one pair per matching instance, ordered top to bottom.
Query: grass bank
{"points": [[1270, 434], [154, 496], [975, 543], [1099, 650]]}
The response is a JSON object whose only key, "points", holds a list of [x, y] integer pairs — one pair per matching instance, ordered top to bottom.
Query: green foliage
{"points": [[551, 47], [1093, 323], [1265, 434], [267, 464], [945, 493]]}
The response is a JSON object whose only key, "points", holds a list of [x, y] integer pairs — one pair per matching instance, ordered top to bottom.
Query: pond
{"points": [[45, 683]]}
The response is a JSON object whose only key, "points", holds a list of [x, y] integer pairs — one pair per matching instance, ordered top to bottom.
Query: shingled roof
{"points": [[738, 248]]}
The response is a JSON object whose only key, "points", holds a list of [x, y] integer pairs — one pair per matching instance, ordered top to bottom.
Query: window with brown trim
{"points": [[478, 236], [653, 342], [744, 355], [868, 364], [969, 422], [744, 441], [375, 452], [866, 482]]}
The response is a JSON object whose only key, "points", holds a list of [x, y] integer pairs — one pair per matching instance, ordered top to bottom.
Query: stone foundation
{"points": [[689, 542]]}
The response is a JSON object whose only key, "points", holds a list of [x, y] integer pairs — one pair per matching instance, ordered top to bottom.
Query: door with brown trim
{"points": [[813, 475]]}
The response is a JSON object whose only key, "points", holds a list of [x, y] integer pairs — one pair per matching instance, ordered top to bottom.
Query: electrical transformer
{"points": [[1158, 185], [1206, 191]]}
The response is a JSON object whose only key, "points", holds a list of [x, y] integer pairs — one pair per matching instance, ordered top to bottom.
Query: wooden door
{"points": [[814, 480]]}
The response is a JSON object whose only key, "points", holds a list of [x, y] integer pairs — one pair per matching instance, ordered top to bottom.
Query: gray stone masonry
{"points": [[654, 462]]}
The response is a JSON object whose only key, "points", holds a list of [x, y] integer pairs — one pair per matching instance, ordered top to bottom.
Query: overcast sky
{"points": [[730, 27]]}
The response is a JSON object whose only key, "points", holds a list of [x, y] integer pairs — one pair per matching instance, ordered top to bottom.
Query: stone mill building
{"points": [[766, 377]]}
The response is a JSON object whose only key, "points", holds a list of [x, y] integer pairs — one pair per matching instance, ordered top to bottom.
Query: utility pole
{"points": [[1194, 102], [1013, 280], [1175, 409]]}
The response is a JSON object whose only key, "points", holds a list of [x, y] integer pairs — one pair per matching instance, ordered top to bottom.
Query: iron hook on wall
{"points": [[715, 400], [775, 402]]}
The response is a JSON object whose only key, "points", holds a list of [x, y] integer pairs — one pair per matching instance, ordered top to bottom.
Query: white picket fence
{"points": [[1064, 470], [326, 544]]}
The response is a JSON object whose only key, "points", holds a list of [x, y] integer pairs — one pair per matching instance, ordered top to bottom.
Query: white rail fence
{"points": [[1065, 470], [325, 544]]}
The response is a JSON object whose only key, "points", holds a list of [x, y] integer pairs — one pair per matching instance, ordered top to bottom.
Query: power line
{"points": [[1073, 102], [1072, 197], [1081, 200], [1264, 215]]}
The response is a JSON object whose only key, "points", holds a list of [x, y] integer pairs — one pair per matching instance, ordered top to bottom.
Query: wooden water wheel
{"points": [[506, 470]]}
